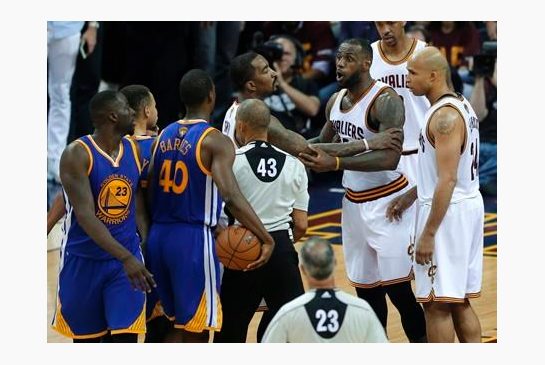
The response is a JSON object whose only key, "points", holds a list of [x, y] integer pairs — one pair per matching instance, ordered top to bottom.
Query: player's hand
{"points": [[89, 37], [391, 138], [319, 161], [398, 205], [424, 249], [266, 252], [139, 276]]}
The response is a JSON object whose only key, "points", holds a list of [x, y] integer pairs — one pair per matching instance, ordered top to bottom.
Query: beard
{"points": [[351, 81]]}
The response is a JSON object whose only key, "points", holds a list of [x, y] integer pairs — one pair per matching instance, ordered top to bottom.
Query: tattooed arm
{"points": [[447, 130]]}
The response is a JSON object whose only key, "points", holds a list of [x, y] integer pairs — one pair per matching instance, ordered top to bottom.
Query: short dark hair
{"points": [[363, 43], [241, 69], [195, 86], [138, 96], [104, 102]]}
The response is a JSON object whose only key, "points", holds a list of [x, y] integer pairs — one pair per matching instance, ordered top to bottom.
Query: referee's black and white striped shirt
{"points": [[273, 182]]}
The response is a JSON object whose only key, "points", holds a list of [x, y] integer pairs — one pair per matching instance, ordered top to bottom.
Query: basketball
{"points": [[236, 247]]}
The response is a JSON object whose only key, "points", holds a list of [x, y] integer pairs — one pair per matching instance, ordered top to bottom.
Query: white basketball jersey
{"points": [[395, 75], [229, 122], [352, 125], [467, 185]]}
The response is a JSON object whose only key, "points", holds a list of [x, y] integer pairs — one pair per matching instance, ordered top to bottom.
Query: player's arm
{"points": [[388, 111], [448, 130], [391, 138], [289, 141], [222, 156], [73, 172], [56, 212], [299, 214], [300, 223]]}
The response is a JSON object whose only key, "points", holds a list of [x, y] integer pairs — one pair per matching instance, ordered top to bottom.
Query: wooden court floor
{"points": [[485, 306]]}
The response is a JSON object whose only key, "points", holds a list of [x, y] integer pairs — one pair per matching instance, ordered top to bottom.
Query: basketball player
{"points": [[390, 55], [253, 78], [141, 100], [190, 173], [275, 185], [100, 249], [376, 251], [449, 260], [324, 313]]}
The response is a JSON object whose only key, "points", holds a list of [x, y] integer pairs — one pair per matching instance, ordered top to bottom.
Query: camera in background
{"points": [[483, 63]]}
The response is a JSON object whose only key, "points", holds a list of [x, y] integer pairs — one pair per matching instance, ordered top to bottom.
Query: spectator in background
{"points": [[365, 30], [418, 31], [63, 40], [456, 40], [319, 45], [215, 46], [86, 80], [296, 100]]}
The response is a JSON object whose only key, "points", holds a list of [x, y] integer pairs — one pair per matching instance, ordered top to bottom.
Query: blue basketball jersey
{"points": [[145, 143], [114, 185], [183, 189]]}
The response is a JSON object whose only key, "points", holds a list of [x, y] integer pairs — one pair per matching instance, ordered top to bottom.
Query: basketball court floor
{"points": [[325, 221]]}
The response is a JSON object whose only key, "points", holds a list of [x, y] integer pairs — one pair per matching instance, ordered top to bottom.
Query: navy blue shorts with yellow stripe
{"points": [[182, 258], [94, 297]]}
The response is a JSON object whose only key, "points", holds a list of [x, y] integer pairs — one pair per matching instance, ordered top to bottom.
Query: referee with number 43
{"points": [[275, 184], [325, 313]]}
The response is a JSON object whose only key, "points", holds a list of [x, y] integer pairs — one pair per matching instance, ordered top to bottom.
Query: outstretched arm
{"points": [[388, 112], [448, 130], [222, 155], [73, 173]]}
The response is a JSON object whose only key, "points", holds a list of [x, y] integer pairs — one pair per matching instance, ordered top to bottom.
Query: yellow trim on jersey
{"points": [[395, 63], [370, 106], [191, 121], [156, 142], [198, 153], [136, 154], [90, 155], [119, 155], [377, 193], [157, 312], [198, 322], [138, 326], [63, 328]]}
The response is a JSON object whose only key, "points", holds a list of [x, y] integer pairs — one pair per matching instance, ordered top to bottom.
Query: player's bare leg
{"points": [[466, 322], [439, 325]]}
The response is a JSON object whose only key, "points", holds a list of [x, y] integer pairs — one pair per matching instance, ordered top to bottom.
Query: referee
{"points": [[275, 184], [324, 314]]}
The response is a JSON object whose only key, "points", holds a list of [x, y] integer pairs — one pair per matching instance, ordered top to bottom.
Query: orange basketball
{"points": [[236, 247]]}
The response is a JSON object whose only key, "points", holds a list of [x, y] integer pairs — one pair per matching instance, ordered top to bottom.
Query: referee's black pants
{"points": [[278, 281]]}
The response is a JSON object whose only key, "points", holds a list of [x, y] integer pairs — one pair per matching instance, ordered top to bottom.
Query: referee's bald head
{"points": [[255, 114]]}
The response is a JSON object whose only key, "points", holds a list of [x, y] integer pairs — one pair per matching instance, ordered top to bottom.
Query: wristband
{"points": [[366, 144], [337, 163]]}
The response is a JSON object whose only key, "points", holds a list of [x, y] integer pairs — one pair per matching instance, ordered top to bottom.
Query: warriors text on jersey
{"points": [[395, 74], [114, 185]]}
